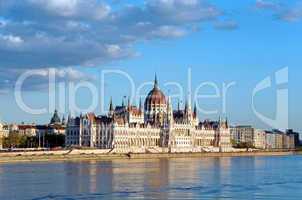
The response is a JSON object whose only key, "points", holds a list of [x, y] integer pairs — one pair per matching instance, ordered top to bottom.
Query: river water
{"points": [[191, 178]]}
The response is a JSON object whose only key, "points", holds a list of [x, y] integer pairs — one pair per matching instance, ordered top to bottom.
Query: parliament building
{"points": [[150, 128]]}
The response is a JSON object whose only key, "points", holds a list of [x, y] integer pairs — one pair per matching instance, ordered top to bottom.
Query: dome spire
{"points": [[155, 82]]}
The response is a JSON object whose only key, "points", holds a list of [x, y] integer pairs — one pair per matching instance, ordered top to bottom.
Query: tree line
{"points": [[16, 140]]}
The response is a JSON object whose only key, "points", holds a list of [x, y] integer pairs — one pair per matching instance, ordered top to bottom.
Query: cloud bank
{"points": [[288, 13], [63, 33], [38, 79]]}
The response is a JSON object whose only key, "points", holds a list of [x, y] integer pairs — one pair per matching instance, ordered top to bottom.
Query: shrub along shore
{"points": [[11, 157]]}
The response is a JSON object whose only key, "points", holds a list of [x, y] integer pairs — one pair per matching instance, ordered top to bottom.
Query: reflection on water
{"points": [[198, 178]]}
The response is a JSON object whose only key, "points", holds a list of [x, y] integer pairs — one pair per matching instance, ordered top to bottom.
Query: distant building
{"points": [[56, 126], [11, 128], [50, 129], [5, 130], [27, 130], [242, 134], [1, 135], [295, 135], [277, 139], [259, 140], [270, 140]]}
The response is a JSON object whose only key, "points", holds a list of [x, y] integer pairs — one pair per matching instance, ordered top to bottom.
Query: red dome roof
{"points": [[155, 96]]}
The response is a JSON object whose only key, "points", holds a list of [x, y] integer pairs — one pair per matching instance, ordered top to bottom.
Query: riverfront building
{"points": [[56, 126], [152, 127], [242, 134], [259, 139], [276, 139]]}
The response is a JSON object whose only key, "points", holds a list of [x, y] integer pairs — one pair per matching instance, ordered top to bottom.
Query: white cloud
{"points": [[263, 4], [61, 7], [92, 9], [177, 11], [289, 13], [292, 14], [3, 23], [226, 25], [169, 31], [63, 33], [11, 39], [114, 50], [40, 81]]}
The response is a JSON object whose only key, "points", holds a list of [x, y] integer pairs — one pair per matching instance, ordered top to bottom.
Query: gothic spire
{"points": [[123, 104], [140, 104], [111, 105], [129, 106], [195, 110], [69, 117], [63, 120], [226, 122]]}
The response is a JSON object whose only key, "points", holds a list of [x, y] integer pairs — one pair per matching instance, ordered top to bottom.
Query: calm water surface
{"points": [[200, 178]]}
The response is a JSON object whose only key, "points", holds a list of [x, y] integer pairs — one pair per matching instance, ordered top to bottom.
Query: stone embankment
{"points": [[98, 154]]}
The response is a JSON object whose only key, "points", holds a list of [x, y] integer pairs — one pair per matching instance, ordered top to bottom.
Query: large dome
{"points": [[155, 97]]}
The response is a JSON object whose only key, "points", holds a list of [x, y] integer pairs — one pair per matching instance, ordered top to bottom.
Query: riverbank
{"points": [[52, 157]]}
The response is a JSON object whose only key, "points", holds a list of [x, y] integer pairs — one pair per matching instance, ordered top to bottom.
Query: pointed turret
{"points": [[123, 104], [111, 105], [129, 105], [140, 105], [186, 107], [111, 110], [195, 110], [169, 111], [195, 116], [55, 118], [69, 118], [63, 120], [220, 122], [226, 123]]}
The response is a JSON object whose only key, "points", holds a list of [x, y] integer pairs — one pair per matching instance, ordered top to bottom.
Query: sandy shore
{"points": [[13, 158]]}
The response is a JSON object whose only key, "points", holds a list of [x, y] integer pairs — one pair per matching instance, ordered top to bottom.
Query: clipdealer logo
{"points": [[280, 120]]}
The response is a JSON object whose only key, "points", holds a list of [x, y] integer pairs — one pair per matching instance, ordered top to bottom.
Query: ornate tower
{"points": [[155, 105]]}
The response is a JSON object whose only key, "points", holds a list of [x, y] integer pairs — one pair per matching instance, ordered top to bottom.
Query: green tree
{"points": [[54, 140]]}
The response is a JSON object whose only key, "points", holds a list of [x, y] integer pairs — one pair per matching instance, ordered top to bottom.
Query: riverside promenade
{"points": [[86, 155]]}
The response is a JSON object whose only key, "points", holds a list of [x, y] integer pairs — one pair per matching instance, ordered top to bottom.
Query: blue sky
{"points": [[218, 41]]}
